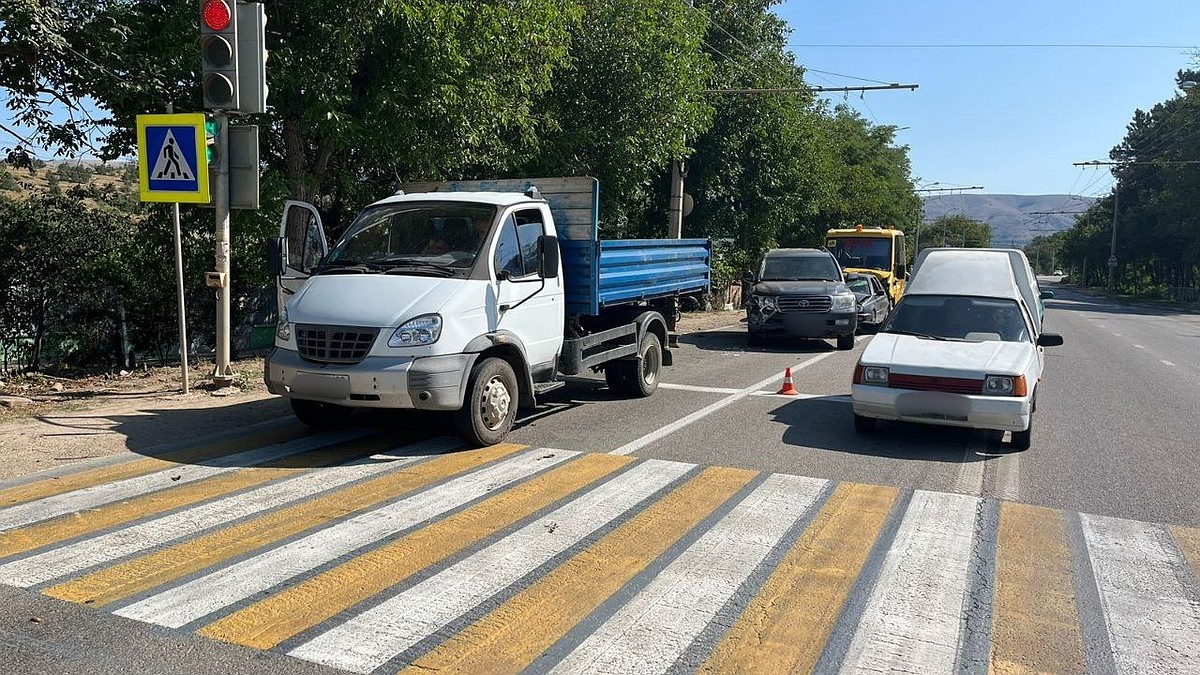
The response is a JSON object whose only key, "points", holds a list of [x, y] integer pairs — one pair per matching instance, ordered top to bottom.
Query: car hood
{"points": [[799, 287], [374, 300], [943, 358]]}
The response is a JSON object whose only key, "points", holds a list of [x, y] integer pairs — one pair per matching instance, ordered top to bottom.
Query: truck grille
{"points": [[804, 303], [334, 344], [953, 385]]}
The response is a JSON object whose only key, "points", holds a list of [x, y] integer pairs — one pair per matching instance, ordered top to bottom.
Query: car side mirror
{"points": [[548, 245], [276, 254], [902, 271], [749, 278], [1046, 295], [1049, 340]]}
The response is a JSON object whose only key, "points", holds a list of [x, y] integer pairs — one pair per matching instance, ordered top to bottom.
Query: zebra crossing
{"points": [[343, 549]]}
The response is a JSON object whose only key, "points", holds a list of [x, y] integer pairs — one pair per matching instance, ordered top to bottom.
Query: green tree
{"points": [[954, 230]]}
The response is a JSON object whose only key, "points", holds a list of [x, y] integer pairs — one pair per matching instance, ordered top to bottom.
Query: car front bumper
{"points": [[816, 325], [427, 383], [1007, 413]]}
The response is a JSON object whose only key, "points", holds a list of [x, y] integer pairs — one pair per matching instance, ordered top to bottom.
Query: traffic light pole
{"points": [[222, 372]]}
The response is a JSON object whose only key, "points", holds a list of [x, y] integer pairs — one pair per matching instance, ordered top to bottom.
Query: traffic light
{"points": [[218, 54], [252, 57], [211, 127]]}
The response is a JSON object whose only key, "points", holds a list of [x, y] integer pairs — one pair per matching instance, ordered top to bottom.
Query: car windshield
{"points": [[416, 235], [864, 252], [795, 267], [859, 285], [953, 317]]}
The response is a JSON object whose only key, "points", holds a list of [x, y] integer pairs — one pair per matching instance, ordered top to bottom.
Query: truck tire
{"points": [[845, 342], [641, 375], [490, 406], [321, 415]]}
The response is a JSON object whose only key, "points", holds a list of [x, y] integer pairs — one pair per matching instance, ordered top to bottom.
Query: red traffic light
{"points": [[216, 14]]}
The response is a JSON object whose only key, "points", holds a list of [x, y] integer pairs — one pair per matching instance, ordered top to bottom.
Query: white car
{"points": [[961, 349]]}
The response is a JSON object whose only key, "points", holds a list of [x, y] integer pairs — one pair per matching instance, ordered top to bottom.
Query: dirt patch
{"points": [[48, 422]]}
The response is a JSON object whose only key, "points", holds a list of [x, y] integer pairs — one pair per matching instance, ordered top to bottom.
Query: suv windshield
{"points": [[446, 235], [800, 267], [953, 317]]}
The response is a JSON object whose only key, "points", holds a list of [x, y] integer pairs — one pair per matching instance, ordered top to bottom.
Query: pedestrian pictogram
{"points": [[172, 163]]}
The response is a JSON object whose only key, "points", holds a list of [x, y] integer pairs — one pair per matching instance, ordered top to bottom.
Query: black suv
{"points": [[800, 292]]}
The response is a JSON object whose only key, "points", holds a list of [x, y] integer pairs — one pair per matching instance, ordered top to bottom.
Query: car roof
{"points": [[493, 198], [796, 252], [964, 272]]}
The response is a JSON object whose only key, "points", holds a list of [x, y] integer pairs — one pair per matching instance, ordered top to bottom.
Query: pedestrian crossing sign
{"points": [[172, 163]]}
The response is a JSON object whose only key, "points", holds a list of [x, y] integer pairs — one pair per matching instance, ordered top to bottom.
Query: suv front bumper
{"points": [[815, 325]]}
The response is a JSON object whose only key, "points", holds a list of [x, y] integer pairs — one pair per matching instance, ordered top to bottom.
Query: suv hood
{"points": [[799, 288], [373, 300], [920, 356]]}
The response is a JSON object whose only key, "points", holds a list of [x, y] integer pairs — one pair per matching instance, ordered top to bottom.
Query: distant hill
{"points": [[1015, 219]]}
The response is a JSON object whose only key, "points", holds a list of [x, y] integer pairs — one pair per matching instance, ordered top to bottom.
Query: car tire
{"points": [[845, 342], [641, 375], [490, 406], [320, 415], [864, 425], [1021, 439]]}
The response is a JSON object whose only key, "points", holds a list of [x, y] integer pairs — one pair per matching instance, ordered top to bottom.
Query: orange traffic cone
{"points": [[788, 389]]}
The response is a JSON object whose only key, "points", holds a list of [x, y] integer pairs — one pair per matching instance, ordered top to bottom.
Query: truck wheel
{"points": [[845, 342], [641, 376], [490, 406], [321, 415]]}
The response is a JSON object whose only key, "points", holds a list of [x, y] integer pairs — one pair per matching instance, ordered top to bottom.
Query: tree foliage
{"points": [[954, 230]]}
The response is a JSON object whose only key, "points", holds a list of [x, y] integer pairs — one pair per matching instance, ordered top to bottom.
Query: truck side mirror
{"points": [[276, 254], [550, 256]]}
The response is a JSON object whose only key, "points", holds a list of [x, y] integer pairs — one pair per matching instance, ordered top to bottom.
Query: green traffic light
{"points": [[211, 127]]}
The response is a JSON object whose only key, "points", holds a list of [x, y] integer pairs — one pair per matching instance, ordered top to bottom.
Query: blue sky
{"points": [[1010, 119]]}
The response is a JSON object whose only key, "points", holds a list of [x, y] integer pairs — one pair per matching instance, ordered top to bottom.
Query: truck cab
{"points": [[872, 250], [455, 297]]}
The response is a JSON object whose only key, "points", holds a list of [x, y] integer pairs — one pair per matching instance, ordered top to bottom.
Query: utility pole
{"points": [[1112, 246]]}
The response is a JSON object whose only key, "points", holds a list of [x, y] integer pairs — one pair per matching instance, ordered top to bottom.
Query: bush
{"points": [[75, 173], [7, 180]]}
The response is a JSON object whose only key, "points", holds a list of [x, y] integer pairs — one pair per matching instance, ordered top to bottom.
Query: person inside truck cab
{"points": [[437, 245]]}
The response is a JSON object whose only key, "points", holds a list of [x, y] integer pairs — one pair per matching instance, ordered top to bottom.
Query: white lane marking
{"points": [[1139, 346], [1167, 363], [702, 390], [638, 444], [970, 469], [1008, 476], [106, 493], [130, 540], [181, 605], [912, 619], [1152, 623], [649, 633], [374, 637]]}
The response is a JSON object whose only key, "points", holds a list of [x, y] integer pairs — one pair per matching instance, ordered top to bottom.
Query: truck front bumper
{"points": [[814, 325], [427, 383], [1000, 413]]}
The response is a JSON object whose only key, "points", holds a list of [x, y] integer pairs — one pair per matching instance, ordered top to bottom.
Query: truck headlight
{"points": [[843, 303], [283, 327], [418, 332]]}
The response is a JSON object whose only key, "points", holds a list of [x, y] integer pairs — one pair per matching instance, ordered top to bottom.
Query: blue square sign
{"points": [[171, 160]]}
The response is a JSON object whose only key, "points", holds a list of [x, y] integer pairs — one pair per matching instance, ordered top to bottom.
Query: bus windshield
{"points": [[873, 253]]}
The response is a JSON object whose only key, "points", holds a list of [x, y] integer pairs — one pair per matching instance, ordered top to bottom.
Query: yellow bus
{"points": [[874, 250]]}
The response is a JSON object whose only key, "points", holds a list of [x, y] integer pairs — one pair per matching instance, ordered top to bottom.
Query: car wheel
{"points": [[845, 342], [641, 375], [490, 406], [321, 415], [864, 425], [1021, 439]]}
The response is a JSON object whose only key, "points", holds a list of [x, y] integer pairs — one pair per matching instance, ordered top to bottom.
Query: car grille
{"points": [[804, 303], [334, 344], [953, 385]]}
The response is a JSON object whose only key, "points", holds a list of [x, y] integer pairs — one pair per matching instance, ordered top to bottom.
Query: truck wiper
{"points": [[347, 266], [417, 266]]}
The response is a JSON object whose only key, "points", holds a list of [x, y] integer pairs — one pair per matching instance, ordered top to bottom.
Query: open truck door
{"points": [[292, 256]]}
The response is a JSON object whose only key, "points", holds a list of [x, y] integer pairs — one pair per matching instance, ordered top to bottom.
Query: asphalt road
{"points": [[713, 527]]}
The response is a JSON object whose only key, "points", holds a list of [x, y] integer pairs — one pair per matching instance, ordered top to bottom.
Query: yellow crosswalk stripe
{"points": [[86, 478], [52, 531], [1188, 540], [161, 567], [275, 619], [1035, 624], [785, 627], [509, 638]]}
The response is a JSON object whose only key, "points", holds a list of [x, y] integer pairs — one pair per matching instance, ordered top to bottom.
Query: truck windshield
{"points": [[421, 235], [871, 253], [799, 268], [954, 317]]}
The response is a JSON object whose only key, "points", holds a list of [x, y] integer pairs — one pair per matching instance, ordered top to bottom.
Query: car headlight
{"points": [[768, 302], [843, 303], [283, 327], [418, 332], [872, 375], [998, 385]]}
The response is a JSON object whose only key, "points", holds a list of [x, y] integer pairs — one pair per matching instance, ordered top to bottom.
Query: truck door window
{"points": [[529, 228], [303, 238], [508, 250]]}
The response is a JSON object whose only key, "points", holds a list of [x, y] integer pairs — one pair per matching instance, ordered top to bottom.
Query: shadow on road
{"points": [[1076, 299], [734, 340], [827, 423]]}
